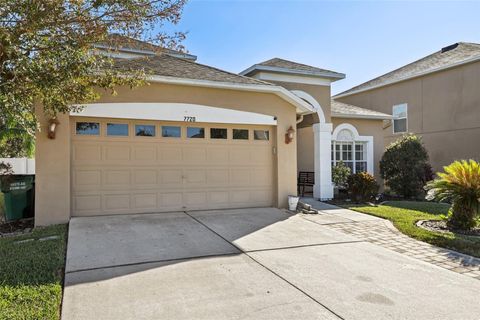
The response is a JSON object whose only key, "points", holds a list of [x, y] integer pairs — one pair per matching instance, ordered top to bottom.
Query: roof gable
{"points": [[290, 67]]}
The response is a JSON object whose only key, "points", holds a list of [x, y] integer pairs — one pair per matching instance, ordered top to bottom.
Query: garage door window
{"points": [[88, 128], [117, 129], [145, 130], [171, 132], [193, 132], [216, 133], [240, 134], [261, 134]]}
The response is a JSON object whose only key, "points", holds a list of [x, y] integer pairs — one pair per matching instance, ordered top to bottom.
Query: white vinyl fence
{"points": [[21, 165]]}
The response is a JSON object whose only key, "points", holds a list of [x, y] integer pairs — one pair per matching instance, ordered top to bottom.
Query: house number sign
{"points": [[189, 119]]}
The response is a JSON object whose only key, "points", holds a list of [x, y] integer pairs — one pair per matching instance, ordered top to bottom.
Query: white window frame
{"points": [[406, 118], [367, 141]]}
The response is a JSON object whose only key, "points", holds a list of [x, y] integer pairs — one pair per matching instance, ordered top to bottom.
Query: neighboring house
{"points": [[436, 97], [197, 138]]}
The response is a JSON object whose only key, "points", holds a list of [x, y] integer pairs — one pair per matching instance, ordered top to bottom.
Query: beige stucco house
{"points": [[436, 97], [198, 137]]}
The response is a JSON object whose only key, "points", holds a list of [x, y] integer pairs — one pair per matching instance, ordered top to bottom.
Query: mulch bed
{"points": [[441, 226], [14, 228]]}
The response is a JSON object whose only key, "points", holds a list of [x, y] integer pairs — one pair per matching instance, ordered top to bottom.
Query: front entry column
{"points": [[323, 188]]}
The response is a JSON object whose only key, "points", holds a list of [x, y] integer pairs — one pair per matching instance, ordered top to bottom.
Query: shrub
{"points": [[405, 167], [428, 173], [340, 174], [460, 184], [362, 186]]}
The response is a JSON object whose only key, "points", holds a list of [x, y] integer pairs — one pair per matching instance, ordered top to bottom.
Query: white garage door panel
{"points": [[112, 175], [110, 203]]}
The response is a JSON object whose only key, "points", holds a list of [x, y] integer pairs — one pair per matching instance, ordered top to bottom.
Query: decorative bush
{"points": [[405, 167], [340, 174], [428, 174], [459, 184], [362, 186]]}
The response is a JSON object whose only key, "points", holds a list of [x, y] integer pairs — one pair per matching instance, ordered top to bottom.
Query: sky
{"points": [[359, 38]]}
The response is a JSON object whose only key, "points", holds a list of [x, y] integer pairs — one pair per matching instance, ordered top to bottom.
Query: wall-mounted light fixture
{"points": [[52, 128], [289, 135]]}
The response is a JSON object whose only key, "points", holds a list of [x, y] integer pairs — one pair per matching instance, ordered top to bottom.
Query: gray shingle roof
{"points": [[121, 42], [458, 53], [166, 65], [286, 66], [341, 109]]}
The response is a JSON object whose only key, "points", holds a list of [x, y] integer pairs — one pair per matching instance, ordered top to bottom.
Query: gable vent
{"points": [[450, 47]]}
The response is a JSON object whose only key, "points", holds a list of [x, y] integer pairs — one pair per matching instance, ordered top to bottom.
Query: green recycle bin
{"points": [[18, 191]]}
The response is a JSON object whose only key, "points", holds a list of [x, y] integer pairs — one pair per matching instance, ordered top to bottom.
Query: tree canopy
{"points": [[46, 52]]}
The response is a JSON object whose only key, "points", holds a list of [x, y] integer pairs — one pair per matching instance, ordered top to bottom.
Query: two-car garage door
{"points": [[123, 166]]}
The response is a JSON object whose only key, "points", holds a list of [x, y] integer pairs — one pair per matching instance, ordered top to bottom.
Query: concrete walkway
{"points": [[382, 232], [259, 263]]}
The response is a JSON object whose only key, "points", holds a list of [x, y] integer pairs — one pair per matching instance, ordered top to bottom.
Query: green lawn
{"points": [[404, 215], [31, 275]]}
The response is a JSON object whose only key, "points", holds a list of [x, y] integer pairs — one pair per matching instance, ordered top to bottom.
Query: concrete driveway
{"points": [[259, 263]]}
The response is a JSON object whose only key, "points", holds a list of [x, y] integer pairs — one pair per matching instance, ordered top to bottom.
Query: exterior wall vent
{"points": [[450, 47]]}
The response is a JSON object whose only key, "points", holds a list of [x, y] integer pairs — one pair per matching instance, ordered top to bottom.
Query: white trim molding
{"points": [[314, 73], [270, 76], [311, 100], [302, 106], [173, 112], [343, 126], [368, 140], [323, 188]]}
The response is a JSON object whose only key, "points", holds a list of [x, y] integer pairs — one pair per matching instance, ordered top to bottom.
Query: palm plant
{"points": [[459, 184]]}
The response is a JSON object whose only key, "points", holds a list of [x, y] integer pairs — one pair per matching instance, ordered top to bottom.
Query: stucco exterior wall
{"points": [[321, 93], [443, 108], [365, 127], [368, 127], [305, 151], [53, 156], [52, 172]]}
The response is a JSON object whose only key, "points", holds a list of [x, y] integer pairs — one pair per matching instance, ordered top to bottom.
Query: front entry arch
{"points": [[322, 132]]}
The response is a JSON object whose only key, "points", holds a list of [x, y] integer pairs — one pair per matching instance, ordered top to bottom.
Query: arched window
{"points": [[354, 150]]}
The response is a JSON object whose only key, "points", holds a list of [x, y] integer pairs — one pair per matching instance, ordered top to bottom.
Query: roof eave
{"points": [[144, 52], [147, 52], [183, 56], [256, 68], [421, 74], [302, 107], [361, 116]]}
